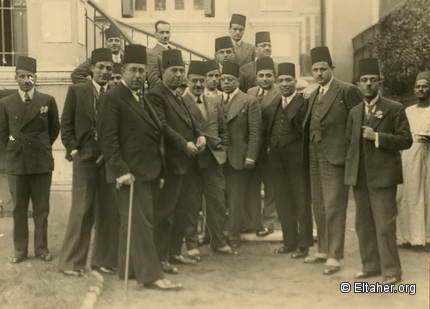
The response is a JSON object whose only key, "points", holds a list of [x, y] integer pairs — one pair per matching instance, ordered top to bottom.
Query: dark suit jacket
{"points": [[245, 53], [154, 65], [81, 72], [248, 75], [6, 92], [266, 100], [338, 101], [78, 121], [244, 125], [179, 126], [214, 128], [131, 136], [27, 139], [383, 164]]}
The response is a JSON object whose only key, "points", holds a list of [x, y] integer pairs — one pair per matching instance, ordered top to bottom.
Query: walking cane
{"points": [[127, 254]]}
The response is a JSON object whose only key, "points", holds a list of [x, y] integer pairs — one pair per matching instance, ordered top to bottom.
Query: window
{"points": [[198, 4], [140, 5], [160, 5], [179, 5], [13, 31]]}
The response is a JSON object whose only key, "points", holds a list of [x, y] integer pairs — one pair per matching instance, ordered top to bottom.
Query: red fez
{"points": [[238, 19], [112, 32], [262, 37], [223, 42], [135, 53], [101, 54], [320, 54], [171, 58], [26, 63], [265, 63], [211, 65], [368, 66], [197, 67], [230, 68], [287, 68]]}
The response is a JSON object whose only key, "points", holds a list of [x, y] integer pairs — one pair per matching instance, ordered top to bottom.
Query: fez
{"points": [[238, 19], [112, 32], [262, 37], [223, 42], [135, 53], [321, 53], [101, 54], [171, 58], [26, 63], [265, 63], [211, 65], [368, 66], [197, 67], [230, 68], [287, 68], [425, 75]]}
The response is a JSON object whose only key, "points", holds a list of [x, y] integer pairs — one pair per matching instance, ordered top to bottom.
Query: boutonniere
{"points": [[43, 109], [378, 114], [11, 138]]}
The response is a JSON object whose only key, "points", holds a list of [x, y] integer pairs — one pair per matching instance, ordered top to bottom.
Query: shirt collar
{"points": [[236, 43], [166, 46], [116, 58], [327, 86], [98, 87], [187, 91], [134, 93], [210, 93], [22, 94], [232, 95], [289, 98], [372, 103]]}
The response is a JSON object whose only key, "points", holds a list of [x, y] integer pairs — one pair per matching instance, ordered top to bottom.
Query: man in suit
{"points": [[163, 34], [114, 42], [224, 51], [244, 51], [248, 72], [212, 87], [265, 93], [207, 111], [243, 116], [325, 125], [29, 126], [377, 131], [283, 136], [131, 138], [179, 196], [92, 197]]}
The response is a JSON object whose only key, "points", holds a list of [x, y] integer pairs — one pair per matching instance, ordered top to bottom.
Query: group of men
{"points": [[240, 123]]}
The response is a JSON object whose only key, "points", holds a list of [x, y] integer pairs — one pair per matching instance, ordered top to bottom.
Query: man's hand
{"points": [[369, 133], [201, 143], [191, 149], [74, 153], [249, 163], [126, 179], [161, 183]]}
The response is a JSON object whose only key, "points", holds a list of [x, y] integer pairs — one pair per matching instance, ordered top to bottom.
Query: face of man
{"points": [[236, 31], [163, 33], [114, 44], [263, 49], [225, 54], [102, 72], [322, 72], [134, 75], [174, 76], [265, 78], [25, 79], [115, 79], [212, 80], [229, 83], [196, 84], [287, 84], [369, 86], [422, 89]]}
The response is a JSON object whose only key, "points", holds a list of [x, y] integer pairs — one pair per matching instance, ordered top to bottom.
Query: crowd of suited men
{"points": [[209, 137]]}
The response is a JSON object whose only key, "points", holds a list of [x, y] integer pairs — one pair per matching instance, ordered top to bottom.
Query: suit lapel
{"points": [[269, 97], [330, 97], [88, 98], [312, 99], [174, 102], [236, 105], [276, 107], [293, 107], [380, 109], [32, 110], [358, 121]]}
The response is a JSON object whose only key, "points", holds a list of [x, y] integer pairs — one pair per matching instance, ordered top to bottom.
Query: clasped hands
{"points": [[192, 149]]}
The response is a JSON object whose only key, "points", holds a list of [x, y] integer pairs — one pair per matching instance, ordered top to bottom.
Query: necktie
{"points": [[101, 93], [27, 98], [228, 98], [199, 100], [284, 102], [369, 111]]}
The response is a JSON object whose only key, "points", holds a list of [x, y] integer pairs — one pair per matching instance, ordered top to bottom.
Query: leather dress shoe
{"points": [[264, 232], [227, 250], [284, 250], [300, 253], [46, 257], [18, 259], [180, 259], [314, 260], [169, 268], [104, 270], [330, 270], [74, 273], [367, 274], [391, 279], [164, 285]]}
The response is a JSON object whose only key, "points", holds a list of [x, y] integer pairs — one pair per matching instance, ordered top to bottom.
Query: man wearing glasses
{"points": [[114, 42], [244, 51], [92, 196]]}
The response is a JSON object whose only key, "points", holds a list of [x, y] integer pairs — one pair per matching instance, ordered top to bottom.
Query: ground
{"points": [[254, 279]]}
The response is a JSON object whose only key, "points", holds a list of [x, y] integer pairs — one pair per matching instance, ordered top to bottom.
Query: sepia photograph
{"points": [[214, 154]]}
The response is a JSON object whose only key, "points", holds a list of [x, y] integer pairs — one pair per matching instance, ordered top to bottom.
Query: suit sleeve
{"points": [[81, 73], [54, 122], [4, 126], [108, 126], [254, 129], [348, 131], [171, 135], [68, 136], [401, 138]]}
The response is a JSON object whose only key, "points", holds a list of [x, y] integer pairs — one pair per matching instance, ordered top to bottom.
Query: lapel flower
{"points": [[43, 109], [379, 114], [11, 138]]}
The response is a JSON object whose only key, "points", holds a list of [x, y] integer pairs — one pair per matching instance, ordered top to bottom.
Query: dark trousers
{"points": [[212, 187], [37, 188], [238, 188], [89, 192], [291, 197], [178, 198], [329, 201], [375, 223], [144, 262]]}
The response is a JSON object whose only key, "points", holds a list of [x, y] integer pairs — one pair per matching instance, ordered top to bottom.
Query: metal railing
{"points": [[98, 20]]}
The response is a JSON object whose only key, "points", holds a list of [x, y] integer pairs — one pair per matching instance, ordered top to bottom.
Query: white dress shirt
{"points": [[23, 93], [230, 96], [287, 100]]}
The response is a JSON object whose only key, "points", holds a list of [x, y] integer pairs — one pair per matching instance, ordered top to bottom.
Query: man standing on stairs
{"points": [[114, 42], [224, 51], [244, 51], [92, 195]]}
